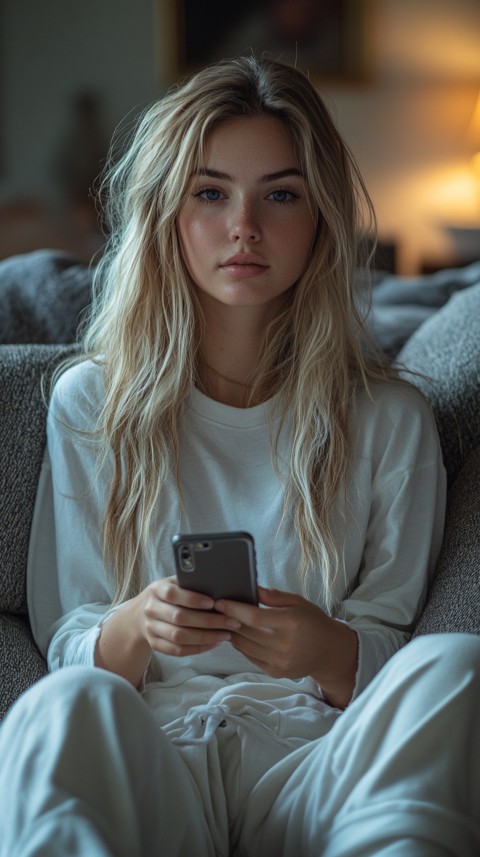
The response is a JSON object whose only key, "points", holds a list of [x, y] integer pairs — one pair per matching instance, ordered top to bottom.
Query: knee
{"points": [[449, 649], [452, 657], [70, 688]]}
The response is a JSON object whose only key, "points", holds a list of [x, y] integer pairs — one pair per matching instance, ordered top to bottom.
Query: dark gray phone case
{"points": [[221, 565]]}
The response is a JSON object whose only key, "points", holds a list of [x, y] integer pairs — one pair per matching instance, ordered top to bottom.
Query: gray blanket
{"points": [[42, 297]]}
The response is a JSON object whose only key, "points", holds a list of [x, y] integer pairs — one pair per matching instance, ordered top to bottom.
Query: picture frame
{"points": [[327, 39]]}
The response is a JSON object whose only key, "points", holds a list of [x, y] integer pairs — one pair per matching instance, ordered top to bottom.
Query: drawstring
{"points": [[202, 721]]}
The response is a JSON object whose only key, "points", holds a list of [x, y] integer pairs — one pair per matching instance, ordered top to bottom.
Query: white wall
{"points": [[405, 124]]}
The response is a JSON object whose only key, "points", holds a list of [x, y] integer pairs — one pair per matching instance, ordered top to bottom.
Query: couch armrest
{"points": [[23, 414], [453, 603], [21, 663]]}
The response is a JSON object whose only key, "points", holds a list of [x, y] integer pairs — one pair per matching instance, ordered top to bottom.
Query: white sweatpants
{"points": [[86, 770]]}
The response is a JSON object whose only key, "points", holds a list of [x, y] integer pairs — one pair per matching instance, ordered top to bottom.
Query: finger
{"points": [[167, 589], [277, 598], [247, 614], [251, 616], [185, 617], [184, 636], [165, 647], [253, 649], [271, 659]]}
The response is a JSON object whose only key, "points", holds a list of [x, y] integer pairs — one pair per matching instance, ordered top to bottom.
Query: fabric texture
{"points": [[42, 297], [400, 305], [445, 352], [22, 439], [454, 599], [21, 663]]}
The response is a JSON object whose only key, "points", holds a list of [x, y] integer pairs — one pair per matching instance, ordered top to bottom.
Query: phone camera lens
{"points": [[186, 558]]}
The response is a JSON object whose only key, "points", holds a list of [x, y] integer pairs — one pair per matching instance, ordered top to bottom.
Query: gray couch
{"points": [[52, 291]]}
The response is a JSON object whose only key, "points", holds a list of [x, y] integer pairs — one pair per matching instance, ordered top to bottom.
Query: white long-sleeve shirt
{"points": [[389, 533]]}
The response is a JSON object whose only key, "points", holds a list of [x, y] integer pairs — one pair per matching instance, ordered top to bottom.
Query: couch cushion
{"points": [[42, 297], [446, 352], [22, 441], [454, 599], [21, 664]]}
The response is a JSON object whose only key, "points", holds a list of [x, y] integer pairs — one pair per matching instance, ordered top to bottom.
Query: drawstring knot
{"points": [[201, 723]]}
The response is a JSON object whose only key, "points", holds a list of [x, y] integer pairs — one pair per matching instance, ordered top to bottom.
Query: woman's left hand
{"points": [[295, 638]]}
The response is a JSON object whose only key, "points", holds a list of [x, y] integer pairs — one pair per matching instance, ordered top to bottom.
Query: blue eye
{"points": [[209, 194], [282, 196]]}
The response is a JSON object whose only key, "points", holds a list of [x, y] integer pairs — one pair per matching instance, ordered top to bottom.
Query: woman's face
{"points": [[246, 228]]}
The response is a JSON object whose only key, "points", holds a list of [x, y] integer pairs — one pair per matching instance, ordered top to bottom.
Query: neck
{"points": [[230, 352], [225, 378], [222, 388]]}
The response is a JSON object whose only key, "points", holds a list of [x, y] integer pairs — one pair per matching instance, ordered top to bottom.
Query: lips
{"points": [[244, 259], [244, 265]]}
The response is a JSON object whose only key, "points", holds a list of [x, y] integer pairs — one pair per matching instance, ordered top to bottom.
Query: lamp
{"points": [[473, 138], [465, 237]]}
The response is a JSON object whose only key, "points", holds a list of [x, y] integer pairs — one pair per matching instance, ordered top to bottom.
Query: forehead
{"points": [[260, 142]]}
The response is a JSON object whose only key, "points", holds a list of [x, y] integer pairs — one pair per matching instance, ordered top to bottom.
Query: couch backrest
{"points": [[447, 350], [22, 441]]}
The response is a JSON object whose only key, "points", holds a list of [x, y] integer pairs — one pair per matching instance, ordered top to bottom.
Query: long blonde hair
{"points": [[146, 325]]}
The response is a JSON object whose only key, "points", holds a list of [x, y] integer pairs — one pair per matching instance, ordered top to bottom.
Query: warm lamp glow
{"points": [[473, 130], [473, 140], [475, 162], [449, 194]]}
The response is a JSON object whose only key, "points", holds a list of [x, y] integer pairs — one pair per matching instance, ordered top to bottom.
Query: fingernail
{"points": [[234, 624]]}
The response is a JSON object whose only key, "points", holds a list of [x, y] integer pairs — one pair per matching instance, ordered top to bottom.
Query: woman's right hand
{"points": [[162, 618], [180, 622]]}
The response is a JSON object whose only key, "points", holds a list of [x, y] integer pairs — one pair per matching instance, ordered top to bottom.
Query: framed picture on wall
{"points": [[326, 38]]}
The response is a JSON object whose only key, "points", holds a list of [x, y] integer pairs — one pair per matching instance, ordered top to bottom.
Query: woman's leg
{"points": [[85, 769], [399, 773]]}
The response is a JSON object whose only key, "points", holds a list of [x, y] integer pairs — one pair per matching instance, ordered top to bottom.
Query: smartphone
{"points": [[221, 565]]}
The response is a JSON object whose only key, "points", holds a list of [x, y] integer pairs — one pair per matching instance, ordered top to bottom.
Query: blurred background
{"points": [[401, 78]]}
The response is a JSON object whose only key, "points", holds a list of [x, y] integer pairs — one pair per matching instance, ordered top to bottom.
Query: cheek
{"points": [[195, 234], [190, 239], [198, 247]]}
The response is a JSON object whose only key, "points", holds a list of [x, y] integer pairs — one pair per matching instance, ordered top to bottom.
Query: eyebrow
{"points": [[269, 177]]}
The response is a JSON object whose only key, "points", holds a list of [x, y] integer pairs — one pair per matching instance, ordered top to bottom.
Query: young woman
{"points": [[227, 384]]}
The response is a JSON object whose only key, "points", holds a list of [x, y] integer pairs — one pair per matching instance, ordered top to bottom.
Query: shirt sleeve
{"points": [[402, 485], [68, 591]]}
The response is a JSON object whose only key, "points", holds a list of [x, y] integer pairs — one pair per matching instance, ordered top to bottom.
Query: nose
{"points": [[245, 224]]}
